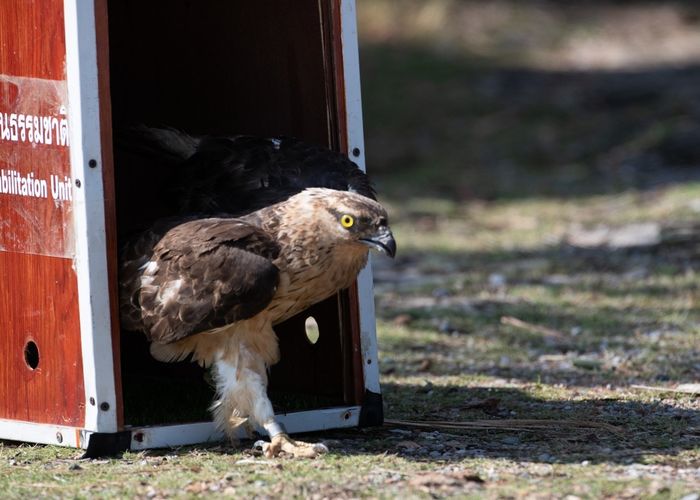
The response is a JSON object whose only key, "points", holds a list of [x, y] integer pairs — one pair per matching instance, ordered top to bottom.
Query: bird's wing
{"points": [[262, 172], [198, 174], [205, 274]]}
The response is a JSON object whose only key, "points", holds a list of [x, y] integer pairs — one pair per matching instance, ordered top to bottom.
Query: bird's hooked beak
{"points": [[383, 241]]}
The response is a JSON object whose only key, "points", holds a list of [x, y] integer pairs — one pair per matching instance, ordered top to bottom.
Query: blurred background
{"points": [[492, 99], [541, 160]]}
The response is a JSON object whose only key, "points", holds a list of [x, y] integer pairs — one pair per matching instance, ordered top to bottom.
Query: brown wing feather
{"points": [[205, 274]]}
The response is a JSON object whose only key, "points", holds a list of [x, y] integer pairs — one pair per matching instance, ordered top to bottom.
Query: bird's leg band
{"points": [[274, 428]]}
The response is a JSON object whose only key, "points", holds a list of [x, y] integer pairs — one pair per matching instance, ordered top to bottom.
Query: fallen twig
{"points": [[692, 389], [508, 424]]}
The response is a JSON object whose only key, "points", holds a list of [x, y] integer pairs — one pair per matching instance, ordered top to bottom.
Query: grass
{"points": [[503, 143], [619, 317]]}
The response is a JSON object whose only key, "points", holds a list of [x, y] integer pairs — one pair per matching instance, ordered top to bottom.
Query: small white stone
{"points": [[497, 280], [320, 448]]}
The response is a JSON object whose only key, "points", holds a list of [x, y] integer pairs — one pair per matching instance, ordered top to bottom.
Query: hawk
{"points": [[260, 237]]}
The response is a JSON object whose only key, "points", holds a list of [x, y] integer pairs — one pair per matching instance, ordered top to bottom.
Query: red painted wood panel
{"points": [[102, 37], [32, 39], [38, 287], [37, 303], [352, 349]]}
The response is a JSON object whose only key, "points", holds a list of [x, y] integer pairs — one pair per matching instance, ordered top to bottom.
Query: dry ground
{"points": [[541, 163]]}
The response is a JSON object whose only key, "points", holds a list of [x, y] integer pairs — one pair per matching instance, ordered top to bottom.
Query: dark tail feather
{"points": [[166, 145]]}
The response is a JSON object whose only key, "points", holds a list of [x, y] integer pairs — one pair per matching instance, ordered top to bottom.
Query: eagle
{"points": [[253, 232]]}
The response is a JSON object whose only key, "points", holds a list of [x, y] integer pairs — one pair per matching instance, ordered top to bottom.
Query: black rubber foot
{"points": [[372, 411], [104, 444]]}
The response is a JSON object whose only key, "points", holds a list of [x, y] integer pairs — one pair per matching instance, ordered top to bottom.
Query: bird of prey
{"points": [[252, 243]]}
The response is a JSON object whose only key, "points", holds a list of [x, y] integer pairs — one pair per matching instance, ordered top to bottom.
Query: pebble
{"points": [[497, 280], [440, 293], [445, 326], [402, 432], [430, 435], [409, 445], [541, 469], [691, 496]]}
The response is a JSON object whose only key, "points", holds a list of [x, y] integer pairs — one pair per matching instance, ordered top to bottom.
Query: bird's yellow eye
{"points": [[347, 221]]}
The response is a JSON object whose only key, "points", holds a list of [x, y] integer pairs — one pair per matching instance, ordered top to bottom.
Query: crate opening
{"points": [[209, 67]]}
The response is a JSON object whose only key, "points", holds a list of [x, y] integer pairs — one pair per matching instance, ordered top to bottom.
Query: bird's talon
{"points": [[282, 443]]}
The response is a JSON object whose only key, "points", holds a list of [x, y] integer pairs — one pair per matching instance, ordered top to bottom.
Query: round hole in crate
{"points": [[311, 328], [31, 354]]}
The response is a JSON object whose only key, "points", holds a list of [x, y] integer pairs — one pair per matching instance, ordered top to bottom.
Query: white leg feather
{"points": [[240, 373], [241, 386]]}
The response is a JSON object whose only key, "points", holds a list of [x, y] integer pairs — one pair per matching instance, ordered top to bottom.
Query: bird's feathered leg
{"points": [[240, 373]]}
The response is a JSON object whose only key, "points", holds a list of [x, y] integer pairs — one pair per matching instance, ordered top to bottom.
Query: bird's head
{"points": [[350, 219]]}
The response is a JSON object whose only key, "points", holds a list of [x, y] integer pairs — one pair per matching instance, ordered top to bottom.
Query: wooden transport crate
{"points": [[71, 73]]}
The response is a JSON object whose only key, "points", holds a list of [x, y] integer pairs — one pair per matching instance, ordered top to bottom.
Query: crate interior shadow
{"points": [[207, 67]]}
